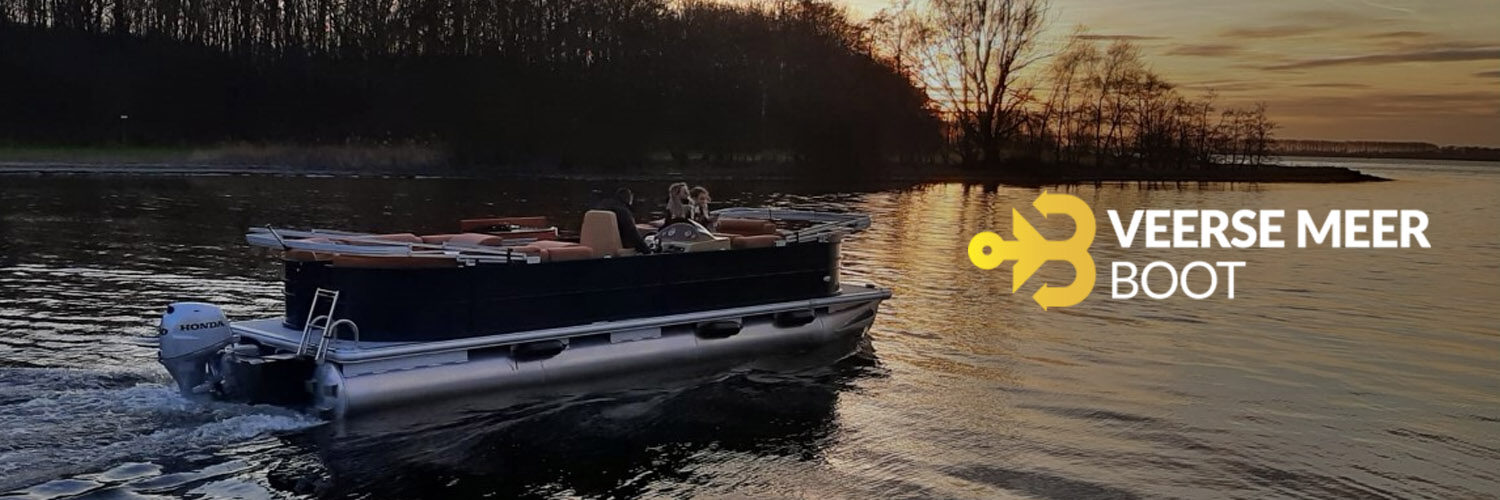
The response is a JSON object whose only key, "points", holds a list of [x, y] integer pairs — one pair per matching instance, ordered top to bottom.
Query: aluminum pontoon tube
{"points": [[343, 352], [343, 389]]}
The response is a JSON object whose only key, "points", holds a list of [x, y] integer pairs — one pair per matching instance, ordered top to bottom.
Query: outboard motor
{"points": [[192, 335]]}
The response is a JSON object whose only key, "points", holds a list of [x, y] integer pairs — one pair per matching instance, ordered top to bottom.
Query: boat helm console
{"points": [[690, 237], [382, 320]]}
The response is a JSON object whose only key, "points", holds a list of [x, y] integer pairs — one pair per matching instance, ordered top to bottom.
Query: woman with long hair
{"points": [[679, 204]]}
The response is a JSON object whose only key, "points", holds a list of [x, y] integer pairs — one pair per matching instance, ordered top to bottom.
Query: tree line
{"points": [[502, 80], [607, 81], [1010, 100], [1105, 105], [1384, 149]]}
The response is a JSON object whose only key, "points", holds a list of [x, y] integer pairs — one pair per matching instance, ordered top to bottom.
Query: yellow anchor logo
{"points": [[1030, 250]]}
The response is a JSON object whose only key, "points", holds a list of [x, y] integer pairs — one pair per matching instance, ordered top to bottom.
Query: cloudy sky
{"points": [[1426, 70]]}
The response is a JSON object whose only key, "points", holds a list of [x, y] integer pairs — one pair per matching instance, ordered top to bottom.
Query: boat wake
{"points": [[57, 422]]}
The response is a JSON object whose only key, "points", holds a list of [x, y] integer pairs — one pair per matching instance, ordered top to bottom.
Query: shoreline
{"points": [[1396, 156], [422, 162], [1225, 174]]}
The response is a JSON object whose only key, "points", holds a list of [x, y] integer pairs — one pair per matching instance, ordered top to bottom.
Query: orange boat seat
{"points": [[745, 227], [600, 233], [397, 237], [469, 239], [753, 241], [552, 244], [553, 251], [579, 252]]}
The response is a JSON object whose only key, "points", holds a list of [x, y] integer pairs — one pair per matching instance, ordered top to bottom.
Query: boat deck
{"points": [[272, 332]]}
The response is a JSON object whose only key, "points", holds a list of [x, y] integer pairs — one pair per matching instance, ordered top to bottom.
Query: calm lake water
{"points": [[1333, 373]]}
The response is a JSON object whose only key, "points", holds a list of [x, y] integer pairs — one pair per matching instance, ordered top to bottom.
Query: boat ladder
{"points": [[316, 345]]}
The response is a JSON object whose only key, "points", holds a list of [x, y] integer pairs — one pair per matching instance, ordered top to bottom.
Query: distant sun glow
{"points": [[1390, 70]]}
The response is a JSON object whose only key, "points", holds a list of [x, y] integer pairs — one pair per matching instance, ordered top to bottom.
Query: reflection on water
{"points": [[1333, 372], [621, 443]]}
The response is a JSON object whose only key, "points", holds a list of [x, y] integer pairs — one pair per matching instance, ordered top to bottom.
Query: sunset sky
{"points": [[1327, 69]]}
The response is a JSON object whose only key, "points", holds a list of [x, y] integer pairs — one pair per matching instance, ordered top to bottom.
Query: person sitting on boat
{"points": [[679, 204], [699, 209], [630, 237]]}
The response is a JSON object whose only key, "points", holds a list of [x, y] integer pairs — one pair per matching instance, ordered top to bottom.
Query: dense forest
{"points": [[588, 81], [607, 82]]}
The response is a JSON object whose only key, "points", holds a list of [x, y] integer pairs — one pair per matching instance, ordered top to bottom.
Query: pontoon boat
{"points": [[382, 320]]}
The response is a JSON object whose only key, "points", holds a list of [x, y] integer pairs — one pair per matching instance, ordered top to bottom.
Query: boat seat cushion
{"points": [[745, 227], [398, 237], [401, 237], [468, 239], [476, 239], [753, 241], [552, 244], [551, 251], [577, 252]]}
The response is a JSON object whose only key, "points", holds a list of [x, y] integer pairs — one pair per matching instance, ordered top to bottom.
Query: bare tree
{"points": [[895, 34], [972, 55], [1118, 71], [1067, 81], [1261, 130], [1245, 135]]}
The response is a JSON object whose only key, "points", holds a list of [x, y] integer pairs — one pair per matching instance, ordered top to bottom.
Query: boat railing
{"points": [[824, 224], [370, 245]]}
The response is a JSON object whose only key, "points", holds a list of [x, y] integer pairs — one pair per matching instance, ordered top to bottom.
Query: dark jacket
{"points": [[630, 237]]}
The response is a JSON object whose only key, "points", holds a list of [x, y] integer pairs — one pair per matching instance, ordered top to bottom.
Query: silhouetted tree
{"points": [[972, 55], [1097, 106]]}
